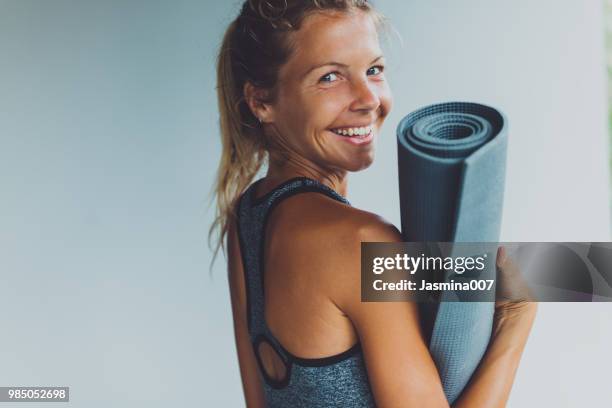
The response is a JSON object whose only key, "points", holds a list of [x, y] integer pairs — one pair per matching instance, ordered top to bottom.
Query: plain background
{"points": [[110, 142]]}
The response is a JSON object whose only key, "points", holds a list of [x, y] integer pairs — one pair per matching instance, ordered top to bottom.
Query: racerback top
{"points": [[335, 381]]}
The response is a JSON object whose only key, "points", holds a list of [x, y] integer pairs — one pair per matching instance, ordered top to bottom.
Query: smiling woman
{"points": [[302, 88], [328, 88]]}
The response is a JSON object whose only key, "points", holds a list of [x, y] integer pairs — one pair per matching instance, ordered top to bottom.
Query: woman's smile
{"points": [[357, 135]]}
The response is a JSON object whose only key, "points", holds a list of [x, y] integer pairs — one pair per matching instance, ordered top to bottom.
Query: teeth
{"points": [[356, 131]]}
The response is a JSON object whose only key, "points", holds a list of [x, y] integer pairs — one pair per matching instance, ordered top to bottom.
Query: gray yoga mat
{"points": [[452, 159]]}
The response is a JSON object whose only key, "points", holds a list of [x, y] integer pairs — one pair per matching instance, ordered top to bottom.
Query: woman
{"points": [[302, 84]]}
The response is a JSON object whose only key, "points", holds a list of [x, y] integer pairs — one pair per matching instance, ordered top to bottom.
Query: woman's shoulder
{"points": [[321, 219], [323, 236], [318, 240]]}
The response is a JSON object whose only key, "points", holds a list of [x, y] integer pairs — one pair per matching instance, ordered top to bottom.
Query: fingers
{"points": [[502, 256], [508, 267], [511, 285]]}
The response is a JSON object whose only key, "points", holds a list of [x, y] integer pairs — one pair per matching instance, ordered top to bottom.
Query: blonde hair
{"points": [[253, 49]]}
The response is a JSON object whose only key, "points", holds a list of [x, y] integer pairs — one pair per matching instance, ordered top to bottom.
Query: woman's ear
{"points": [[257, 99]]}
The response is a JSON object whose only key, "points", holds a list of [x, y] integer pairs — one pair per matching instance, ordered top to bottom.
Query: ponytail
{"points": [[242, 152]]}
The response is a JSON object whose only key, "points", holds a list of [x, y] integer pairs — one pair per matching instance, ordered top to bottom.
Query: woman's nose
{"points": [[365, 97]]}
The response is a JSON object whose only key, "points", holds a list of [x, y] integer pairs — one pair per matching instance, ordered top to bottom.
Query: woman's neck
{"points": [[280, 171]]}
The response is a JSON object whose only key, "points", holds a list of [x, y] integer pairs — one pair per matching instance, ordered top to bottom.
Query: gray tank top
{"points": [[335, 381]]}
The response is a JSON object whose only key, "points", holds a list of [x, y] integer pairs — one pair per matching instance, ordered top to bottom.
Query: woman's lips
{"points": [[353, 130], [359, 139]]}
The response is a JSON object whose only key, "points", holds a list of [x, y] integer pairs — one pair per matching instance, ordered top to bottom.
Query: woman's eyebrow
{"points": [[337, 64]]}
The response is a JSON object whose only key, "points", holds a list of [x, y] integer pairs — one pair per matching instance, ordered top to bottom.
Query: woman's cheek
{"points": [[386, 98], [334, 101]]}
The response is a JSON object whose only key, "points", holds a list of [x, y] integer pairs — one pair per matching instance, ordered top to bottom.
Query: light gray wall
{"points": [[108, 125]]}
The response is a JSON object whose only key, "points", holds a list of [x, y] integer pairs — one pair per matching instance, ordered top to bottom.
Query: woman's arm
{"points": [[400, 367], [251, 382], [491, 383]]}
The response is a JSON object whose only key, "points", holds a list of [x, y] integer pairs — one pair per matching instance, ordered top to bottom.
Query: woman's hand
{"points": [[515, 301], [514, 314]]}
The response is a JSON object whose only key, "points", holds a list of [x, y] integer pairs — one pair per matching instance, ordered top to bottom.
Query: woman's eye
{"points": [[376, 70], [331, 77]]}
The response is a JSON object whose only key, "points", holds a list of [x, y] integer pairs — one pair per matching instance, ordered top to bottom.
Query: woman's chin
{"points": [[358, 165]]}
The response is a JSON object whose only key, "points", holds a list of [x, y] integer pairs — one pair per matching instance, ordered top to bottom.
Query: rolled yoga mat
{"points": [[452, 159]]}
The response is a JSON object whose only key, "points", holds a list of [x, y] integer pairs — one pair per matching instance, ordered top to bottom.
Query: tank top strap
{"points": [[290, 187], [253, 214]]}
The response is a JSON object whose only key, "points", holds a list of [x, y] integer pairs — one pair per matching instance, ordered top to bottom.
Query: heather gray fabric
{"points": [[451, 159], [335, 381]]}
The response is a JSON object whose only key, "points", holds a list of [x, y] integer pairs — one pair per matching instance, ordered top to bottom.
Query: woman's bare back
{"points": [[299, 274]]}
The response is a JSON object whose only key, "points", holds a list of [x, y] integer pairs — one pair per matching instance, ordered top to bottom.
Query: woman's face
{"points": [[332, 93]]}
